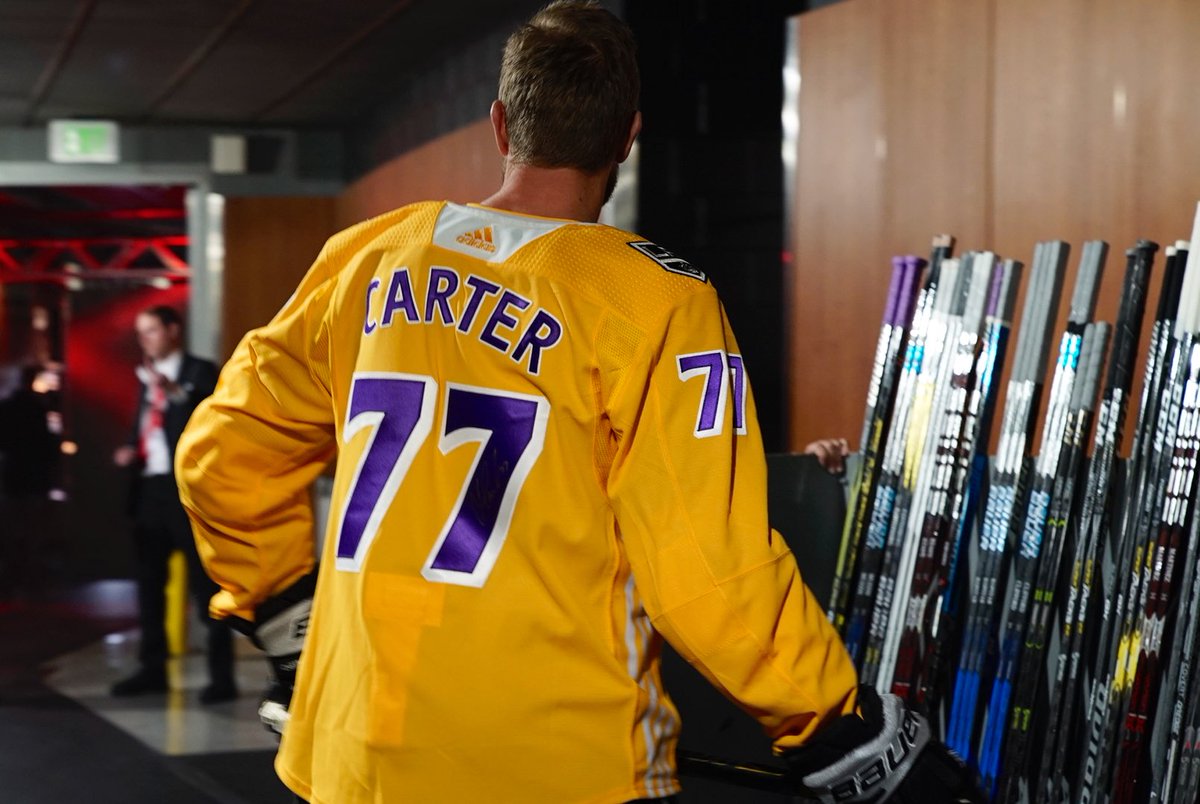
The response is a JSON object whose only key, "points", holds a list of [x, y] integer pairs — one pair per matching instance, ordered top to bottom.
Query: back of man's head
{"points": [[569, 84], [166, 314]]}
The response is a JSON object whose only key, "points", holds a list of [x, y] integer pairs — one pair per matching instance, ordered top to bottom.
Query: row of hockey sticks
{"points": [[897, 318], [944, 326], [943, 402], [938, 415], [965, 416], [931, 472], [882, 493], [1003, 502], [1035, 514], [1138, 542], [1169, 552], [1111, 574], [931, 610], [940, 651], [1063, 684], [1025, 721], [1032, 728], [1027, 749], [1146, 766], [1175, 766], [1178, 766], [1134, 774]]}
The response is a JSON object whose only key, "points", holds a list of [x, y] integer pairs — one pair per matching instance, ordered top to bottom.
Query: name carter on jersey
{"points": [[444, 295]]}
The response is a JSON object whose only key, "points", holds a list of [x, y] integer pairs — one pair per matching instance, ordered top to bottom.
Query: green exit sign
{"points": [[84, 141]]}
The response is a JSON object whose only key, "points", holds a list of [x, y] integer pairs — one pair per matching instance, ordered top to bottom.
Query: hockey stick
{"points": [[1083, 303], [897, 319], [1024, 391], [1183, 424], [953, 447], [884, 493], [910, 493], [1120, 558], [1037, 627], [945, 630], [741, 774], [1052, 778]]}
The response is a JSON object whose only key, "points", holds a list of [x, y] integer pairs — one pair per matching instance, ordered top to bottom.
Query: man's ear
{"points": [[500, 127], [635, 128]]}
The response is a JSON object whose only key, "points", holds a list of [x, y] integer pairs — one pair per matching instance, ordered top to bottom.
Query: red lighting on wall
{"points": [[25, 260], [102, 349]]}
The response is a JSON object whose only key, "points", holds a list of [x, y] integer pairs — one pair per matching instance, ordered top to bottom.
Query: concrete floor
{"points": [[64, 738]]}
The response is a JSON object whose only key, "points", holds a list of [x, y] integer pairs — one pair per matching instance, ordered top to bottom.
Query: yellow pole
{"points": [[177, 603]]}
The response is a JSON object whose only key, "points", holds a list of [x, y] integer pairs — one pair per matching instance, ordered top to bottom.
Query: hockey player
{"points": [[547, 461]]}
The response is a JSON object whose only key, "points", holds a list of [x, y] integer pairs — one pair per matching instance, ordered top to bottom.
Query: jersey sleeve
{"points": [[250, 452], [688, 487]]}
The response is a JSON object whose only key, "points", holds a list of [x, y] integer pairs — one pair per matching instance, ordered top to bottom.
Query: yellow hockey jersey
{"points": [[547, 456]]}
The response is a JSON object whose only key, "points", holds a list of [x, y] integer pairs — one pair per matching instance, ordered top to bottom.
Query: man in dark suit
{"points": [[172, 384], [29, 453]]}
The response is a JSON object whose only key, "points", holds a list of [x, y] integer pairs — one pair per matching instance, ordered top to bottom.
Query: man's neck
{"points": [[550, 192], [171, 356]]}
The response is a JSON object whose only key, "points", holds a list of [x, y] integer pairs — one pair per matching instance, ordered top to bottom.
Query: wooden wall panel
{"points": [[1160, 51], [1096, 120], [1005, 123], [1092, 132], [892, 145], [460, 166], [269, 245], [834, 267]]}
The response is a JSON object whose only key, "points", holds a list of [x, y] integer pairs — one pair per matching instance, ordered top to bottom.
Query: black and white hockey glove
{"points": [[279, 627], [887, 754]]}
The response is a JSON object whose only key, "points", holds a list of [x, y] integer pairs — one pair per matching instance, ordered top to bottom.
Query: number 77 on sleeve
{"points": [[721, 372]]}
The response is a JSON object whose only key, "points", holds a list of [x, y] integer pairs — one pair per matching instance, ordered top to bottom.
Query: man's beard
{"points": [[611, 184]]}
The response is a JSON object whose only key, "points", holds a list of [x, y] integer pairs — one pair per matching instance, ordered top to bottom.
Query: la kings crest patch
{"points": [[676, 265]]}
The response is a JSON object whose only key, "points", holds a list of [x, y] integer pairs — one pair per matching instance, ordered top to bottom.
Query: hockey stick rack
{"points": [[1041, 607]]}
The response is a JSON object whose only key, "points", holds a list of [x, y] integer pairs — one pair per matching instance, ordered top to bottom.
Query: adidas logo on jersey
{"points": [[479, 238]]}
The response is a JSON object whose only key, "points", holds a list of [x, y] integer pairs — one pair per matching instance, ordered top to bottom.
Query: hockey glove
{"points": [[279, 627], [884, 755]]}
